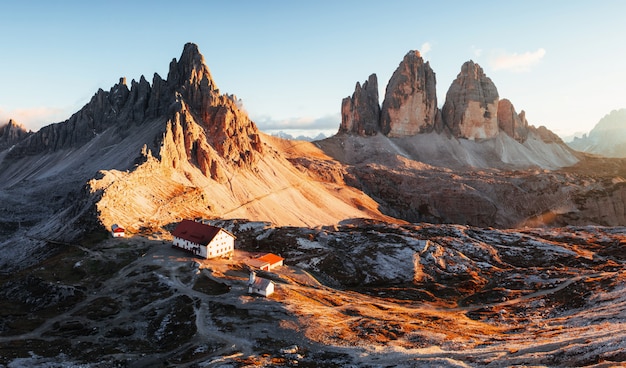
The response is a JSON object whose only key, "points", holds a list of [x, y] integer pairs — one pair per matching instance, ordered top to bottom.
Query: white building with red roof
{"points": [[117, 231], [203, 240]]}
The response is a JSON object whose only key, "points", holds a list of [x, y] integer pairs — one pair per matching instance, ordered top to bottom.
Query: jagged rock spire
{"points": [[190, 69], [410, 105], [471, 107], [360, 114], [226, 130]]}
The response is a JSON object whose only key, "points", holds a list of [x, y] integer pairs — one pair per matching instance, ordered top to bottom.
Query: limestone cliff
{"points": [[410, 104], [471, 107], [360, 114], [512, 123], [209, 126]]}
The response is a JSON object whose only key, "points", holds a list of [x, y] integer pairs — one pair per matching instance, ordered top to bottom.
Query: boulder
{"points": [[410, 104], [471, 107]]}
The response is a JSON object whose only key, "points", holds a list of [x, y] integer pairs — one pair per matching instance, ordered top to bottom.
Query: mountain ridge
{"points": [[146, 156]]}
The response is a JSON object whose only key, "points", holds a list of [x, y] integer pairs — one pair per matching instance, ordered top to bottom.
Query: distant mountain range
{"points": [[284, 135], [607, 138]]}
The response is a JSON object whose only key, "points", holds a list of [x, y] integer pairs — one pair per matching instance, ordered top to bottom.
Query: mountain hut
{"points": [[117, 231], [203, 240]]}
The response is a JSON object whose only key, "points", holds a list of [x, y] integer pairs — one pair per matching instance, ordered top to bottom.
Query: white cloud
{"points": [[426, 47], [476, 51], [517, 62], [34, 118]]}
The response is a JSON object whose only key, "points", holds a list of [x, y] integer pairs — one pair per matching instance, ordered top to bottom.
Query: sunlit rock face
{"points": [[410, 105], [471, 107], [360, 114], [512, 123]]}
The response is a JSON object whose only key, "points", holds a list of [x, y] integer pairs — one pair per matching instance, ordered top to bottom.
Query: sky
{"points": [[292, 62]]}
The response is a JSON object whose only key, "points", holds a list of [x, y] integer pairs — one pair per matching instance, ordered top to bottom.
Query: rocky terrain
{"points": [[461, 236], [363, 293]]}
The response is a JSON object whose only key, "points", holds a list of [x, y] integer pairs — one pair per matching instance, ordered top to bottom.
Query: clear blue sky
{"points": [[562, 61]]}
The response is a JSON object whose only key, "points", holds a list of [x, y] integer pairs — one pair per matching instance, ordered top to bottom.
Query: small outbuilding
{"points": [[117, 231], [203, 240], [266, 262], [260, 286]]}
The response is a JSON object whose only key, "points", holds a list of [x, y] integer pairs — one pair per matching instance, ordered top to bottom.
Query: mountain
{"points": [[475, 125], [475, 128], [283, 135], [607, 138], [148, 155], [477, 161], [422, 240]]}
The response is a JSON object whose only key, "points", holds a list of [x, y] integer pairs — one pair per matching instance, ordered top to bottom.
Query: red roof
{"points": [[196, 232], [270, 258]]}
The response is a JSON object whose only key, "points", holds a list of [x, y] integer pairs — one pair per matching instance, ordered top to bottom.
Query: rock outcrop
{"points": [[410, 104], [471, 107], [360, 114], [512, 123], [12, 133], [226, 136]]}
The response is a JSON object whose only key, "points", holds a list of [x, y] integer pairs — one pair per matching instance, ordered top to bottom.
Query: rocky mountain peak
{"points": [[190, 69], [410, 104], [471, 107], [360, 114], [221, 126], [210, 127], [12, 133]]}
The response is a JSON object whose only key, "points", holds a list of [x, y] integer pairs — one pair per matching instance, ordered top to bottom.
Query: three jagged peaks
{"points": [[472, 109]]}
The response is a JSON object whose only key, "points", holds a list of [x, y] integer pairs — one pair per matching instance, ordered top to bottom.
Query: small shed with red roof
{"points": [[117, 231], [203, 240], [266, 262]]}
